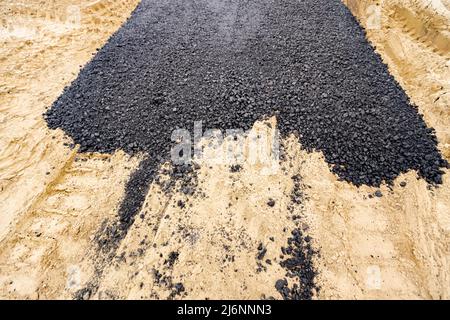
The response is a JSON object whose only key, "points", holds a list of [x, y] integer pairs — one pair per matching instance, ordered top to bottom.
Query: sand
{"points": [[54, 200]]}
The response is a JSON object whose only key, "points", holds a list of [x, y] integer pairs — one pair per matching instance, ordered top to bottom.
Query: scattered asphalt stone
{"points": [[307, 62], [403, 184], [188, 190], [296, 193], [378, 194], [271, 203], [181, 204], [261, 252], [260, 267], [299, 268], [165, 281], [179, 288]]}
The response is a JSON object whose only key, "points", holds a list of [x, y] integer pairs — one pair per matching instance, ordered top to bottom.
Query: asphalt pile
{"points": [[230, 63]]}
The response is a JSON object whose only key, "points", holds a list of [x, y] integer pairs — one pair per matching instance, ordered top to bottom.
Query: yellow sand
{"points": [[51, 202]]}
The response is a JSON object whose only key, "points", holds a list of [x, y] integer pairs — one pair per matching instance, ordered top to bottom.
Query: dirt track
{"points": [[375, 235]]}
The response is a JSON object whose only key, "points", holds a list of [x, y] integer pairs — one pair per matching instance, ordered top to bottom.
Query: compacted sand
{"points": [[56, 202]]}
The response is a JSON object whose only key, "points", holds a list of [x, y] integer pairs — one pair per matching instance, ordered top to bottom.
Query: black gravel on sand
{"points": [[230, 63], [299, 269]]}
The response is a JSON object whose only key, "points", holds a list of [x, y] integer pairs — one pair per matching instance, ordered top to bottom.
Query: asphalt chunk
{"points": [[231, 63], [235, 168], [173, 257], [299, 268]]}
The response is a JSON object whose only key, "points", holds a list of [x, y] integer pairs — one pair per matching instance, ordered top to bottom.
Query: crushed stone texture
{"points": [[230, 63]]}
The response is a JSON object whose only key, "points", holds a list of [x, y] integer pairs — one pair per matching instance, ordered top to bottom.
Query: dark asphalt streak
{"points": [[230, 63]]}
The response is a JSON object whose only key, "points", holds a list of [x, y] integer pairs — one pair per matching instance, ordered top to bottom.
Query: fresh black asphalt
{"points": [[229, 63]]}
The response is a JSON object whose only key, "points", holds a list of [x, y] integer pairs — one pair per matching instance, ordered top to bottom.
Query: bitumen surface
{"points": [[230, 63]]}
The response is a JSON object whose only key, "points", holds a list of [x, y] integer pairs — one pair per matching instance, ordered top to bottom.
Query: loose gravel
{"points": [[229, 63], [299, 269]]}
